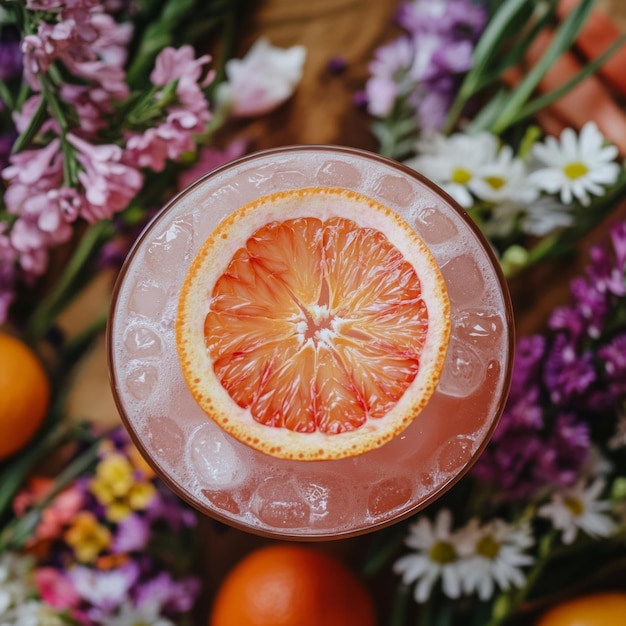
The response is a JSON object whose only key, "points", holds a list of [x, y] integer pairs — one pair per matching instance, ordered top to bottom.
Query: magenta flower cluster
{"points": [[421, 68], [91, 141], [568, 385], [112, 544]]}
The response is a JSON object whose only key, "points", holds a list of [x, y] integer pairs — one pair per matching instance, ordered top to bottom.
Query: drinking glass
{"points": [[309, 500]]}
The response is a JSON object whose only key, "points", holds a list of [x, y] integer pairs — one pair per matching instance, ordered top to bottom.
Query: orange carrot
{"points": [[595, 37], [589, 100], [548, 119]]}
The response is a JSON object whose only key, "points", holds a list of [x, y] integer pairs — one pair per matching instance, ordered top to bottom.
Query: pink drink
{"points": [[308, 499]]}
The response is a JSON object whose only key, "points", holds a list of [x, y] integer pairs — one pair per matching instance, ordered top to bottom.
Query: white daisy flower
{"points": [[454, 163], [575, 167], [504, 179], [544, 216], [579, 509], [498, 554], [436, 557], [129, 615]]}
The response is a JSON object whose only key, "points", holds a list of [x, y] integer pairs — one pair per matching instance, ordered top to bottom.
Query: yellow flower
{"points": [[116, 471], [102, 491], [141, 495], [117, 510], [87, 537]]}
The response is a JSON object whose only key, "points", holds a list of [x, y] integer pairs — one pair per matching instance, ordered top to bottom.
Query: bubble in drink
{"points": [[339, 173], [395, 189], [434, 226], [171, 248], [464, 279], [148, 299], [478, 326], [142, 342], [463, 372], [142, 381], [166, 438], [213, 459], [238, 485], [388, 495], [279, 504]]}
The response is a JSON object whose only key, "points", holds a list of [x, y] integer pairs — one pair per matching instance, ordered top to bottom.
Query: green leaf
{"points": [[564, 37], [485, 50], [517, 52], [547, 99], [36, 122], [76, 275]]}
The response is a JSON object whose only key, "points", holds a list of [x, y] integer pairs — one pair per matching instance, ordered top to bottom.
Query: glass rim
{"points": [[290, 534]]}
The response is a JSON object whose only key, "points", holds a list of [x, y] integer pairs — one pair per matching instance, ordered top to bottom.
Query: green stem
{"points": [[36, 122], [43, 318], [78, 345], [15, 533], [386, 547], [399, 607]]}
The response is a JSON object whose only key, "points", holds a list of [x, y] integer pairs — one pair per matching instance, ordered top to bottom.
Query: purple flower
{"points": [[456, 19], [10, 52], [337, 65], [423, 67], [6, 145], [109, 183], [618, 239], [529, 354], [613, 357], [568, 375], [567, 449], [132, 534], [104, 590], [173, 596]]}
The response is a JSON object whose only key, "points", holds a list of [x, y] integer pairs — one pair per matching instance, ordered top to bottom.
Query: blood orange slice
{"points": [[313, 324]]}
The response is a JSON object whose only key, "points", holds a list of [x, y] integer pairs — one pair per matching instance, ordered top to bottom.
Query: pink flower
{"points": [[175, 64], [110, 77], [263, 80], [91, 104], [23, 118], [184, 119], [209, 159], [109, 184], [62, 511], [56, 589]]}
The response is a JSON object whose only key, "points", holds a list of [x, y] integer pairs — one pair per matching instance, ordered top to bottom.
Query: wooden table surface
{"points": [[321, 111]]}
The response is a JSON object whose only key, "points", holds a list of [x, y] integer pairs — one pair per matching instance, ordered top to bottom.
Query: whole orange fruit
{"points": [[24, 394], [284, 585], [607, 608]]}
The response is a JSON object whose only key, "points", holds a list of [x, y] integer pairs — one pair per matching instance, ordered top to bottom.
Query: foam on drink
{"points": [[222, 477]]}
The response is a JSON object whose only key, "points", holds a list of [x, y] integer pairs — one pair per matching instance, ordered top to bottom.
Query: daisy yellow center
{"points": [[575, 170], [461, 176], [495, 182], [575, 506], [488, 547], [442, 552]]}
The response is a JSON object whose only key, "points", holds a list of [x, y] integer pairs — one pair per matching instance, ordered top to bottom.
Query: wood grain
{"points": [[322, 111]]}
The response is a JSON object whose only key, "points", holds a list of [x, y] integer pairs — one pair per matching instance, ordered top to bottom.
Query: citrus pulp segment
{"points": [[313, 324]]}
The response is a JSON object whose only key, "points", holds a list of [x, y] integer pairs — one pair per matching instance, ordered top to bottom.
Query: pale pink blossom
{"points": [[112, 40], [174, 64], [110, 77], [265, 78], [91, 104], [24, 117], [186, 117], [109, 183], [55, 588]]}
